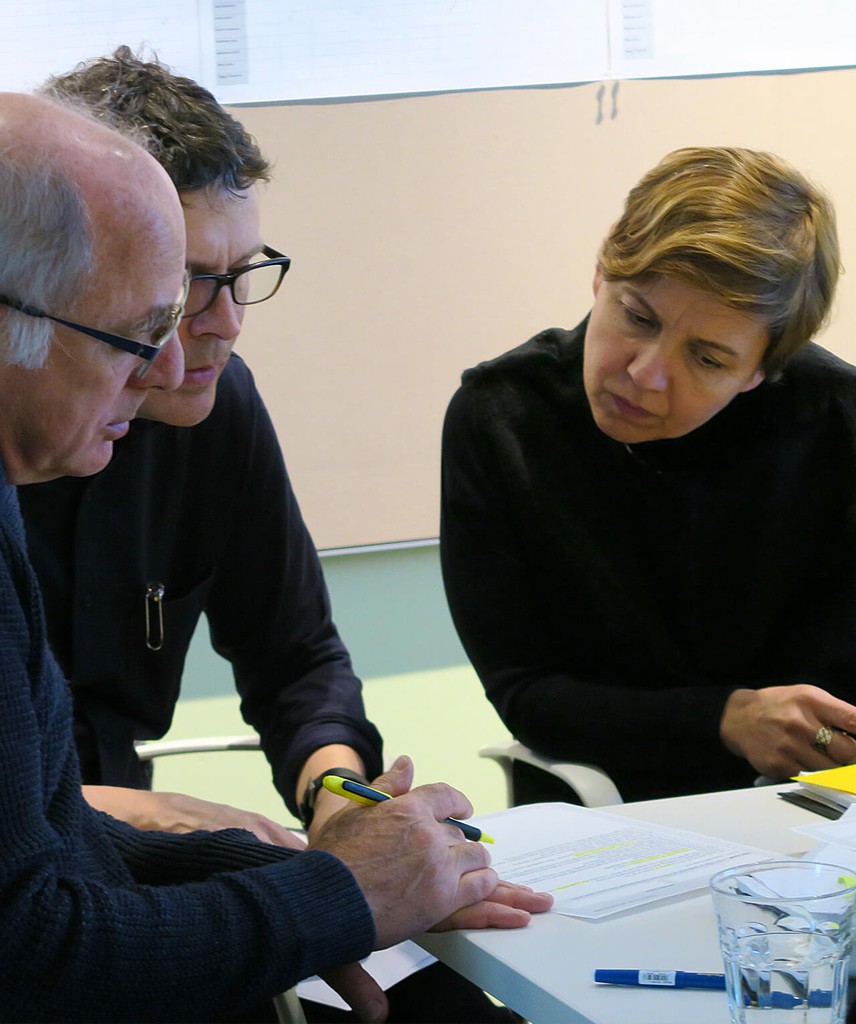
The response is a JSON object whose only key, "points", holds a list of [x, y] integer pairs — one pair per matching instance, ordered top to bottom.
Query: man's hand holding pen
{"points": [[418, 873]]}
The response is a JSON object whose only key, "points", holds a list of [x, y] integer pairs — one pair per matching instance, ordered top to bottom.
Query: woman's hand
{"points": [[776, 728]]}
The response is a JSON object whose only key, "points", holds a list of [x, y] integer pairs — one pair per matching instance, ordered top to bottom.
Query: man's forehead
{"points": [[220, 221], [138, 237]]}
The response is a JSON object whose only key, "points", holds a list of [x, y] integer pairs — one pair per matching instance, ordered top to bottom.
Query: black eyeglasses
{"points": [[251, 284], [142, 349]]}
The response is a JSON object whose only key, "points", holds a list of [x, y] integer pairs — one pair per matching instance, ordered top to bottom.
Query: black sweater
{"points": [[209, 512], [612, 598]]}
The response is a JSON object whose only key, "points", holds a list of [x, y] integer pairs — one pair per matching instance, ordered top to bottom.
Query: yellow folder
{"points": [[842, 779]]}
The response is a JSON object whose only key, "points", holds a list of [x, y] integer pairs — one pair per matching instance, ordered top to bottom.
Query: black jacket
{"points": [[207, 511], [612, 598]]}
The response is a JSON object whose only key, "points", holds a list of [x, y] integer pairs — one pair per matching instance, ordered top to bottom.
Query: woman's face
{"points": [[662, 357]]}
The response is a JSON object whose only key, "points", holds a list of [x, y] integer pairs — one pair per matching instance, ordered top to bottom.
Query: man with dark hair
{"points": [[216, 524]]}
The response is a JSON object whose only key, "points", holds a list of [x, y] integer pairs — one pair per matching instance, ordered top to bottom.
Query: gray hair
{"points": [[46, 251]]}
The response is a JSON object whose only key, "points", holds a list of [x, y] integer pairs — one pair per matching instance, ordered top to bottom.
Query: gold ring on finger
{"points": [[822, 739]]}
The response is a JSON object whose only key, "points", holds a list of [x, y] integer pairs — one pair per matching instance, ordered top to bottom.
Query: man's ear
{"points": [[598, 279]]}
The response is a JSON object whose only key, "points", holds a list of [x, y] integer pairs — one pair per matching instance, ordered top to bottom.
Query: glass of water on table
{"points": [[786, 931]]}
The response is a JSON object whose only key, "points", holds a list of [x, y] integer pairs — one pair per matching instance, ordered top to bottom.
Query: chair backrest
{"points": [[591, 785]]}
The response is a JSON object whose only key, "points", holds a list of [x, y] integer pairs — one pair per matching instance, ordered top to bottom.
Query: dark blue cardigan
{"points": [[100, 922]]}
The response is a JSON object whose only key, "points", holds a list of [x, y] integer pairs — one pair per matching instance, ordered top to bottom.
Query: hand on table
{"points": [[775, 729], [177, 812], [412, 866], [413, 869], [508, 906]]}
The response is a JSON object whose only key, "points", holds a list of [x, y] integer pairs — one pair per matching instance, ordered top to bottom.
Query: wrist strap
{"points": [[310, 794]]}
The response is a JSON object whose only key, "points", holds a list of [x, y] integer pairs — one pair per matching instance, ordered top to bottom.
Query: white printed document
{"points": [[596, 864]]}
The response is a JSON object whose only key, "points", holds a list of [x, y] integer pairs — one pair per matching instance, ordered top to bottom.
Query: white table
{"points": [[545, 971]]}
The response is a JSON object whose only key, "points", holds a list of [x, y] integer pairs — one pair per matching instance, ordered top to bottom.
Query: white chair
{"points": [[148, 750], [592, 785], [287, 1005]]}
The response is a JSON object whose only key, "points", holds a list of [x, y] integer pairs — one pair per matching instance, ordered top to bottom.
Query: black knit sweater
{"points": [[611, 597]]}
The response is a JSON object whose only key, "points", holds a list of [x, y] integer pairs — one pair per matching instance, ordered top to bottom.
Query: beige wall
{"points": [[429, 232]]}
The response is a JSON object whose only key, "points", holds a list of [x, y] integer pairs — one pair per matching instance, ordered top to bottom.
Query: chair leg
{"points": [[288, 1008]]}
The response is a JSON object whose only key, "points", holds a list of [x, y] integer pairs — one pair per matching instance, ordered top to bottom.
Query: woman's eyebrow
{"points": [[640, 298], [720, 346]]}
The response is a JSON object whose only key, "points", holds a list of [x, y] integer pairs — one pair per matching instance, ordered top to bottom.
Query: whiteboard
{"points": [[45, 37], [677, 38], [326, 48], [248, 51], [263, 51]]}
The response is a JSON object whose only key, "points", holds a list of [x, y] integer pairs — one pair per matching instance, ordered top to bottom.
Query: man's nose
{"points": [[222, 318], [166, 370]]}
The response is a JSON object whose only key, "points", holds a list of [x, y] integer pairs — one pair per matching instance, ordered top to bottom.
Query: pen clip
{"points": [[154, 615]]}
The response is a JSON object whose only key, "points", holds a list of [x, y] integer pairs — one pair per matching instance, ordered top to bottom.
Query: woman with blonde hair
{"points": [[649, 521]]}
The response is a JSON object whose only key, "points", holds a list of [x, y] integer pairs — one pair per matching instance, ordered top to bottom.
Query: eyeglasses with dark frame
{"points": [[256, 282], [145, 351]]}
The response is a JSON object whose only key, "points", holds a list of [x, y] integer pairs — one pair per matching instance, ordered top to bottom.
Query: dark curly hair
{"points": [[180, 122]]}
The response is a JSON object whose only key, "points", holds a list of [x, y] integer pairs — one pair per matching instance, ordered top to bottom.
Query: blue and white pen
{"points": [[661, 979], [689, 979]]}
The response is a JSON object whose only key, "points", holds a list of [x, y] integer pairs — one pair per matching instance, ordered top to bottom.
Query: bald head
{"points": [[45, 129], [38, 131], [74, 196], [92, 235]]}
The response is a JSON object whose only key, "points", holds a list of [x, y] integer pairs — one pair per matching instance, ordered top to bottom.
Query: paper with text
{"points": [[596, 864]]}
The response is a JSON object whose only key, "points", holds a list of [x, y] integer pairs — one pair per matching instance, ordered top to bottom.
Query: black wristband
{"points": [[310, 794]]}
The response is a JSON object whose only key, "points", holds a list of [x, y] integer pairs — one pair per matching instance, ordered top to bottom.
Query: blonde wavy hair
{"points": [[741, 224]]}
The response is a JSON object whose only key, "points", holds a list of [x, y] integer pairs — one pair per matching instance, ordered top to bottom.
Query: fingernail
{"points": [[400, 761]]}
